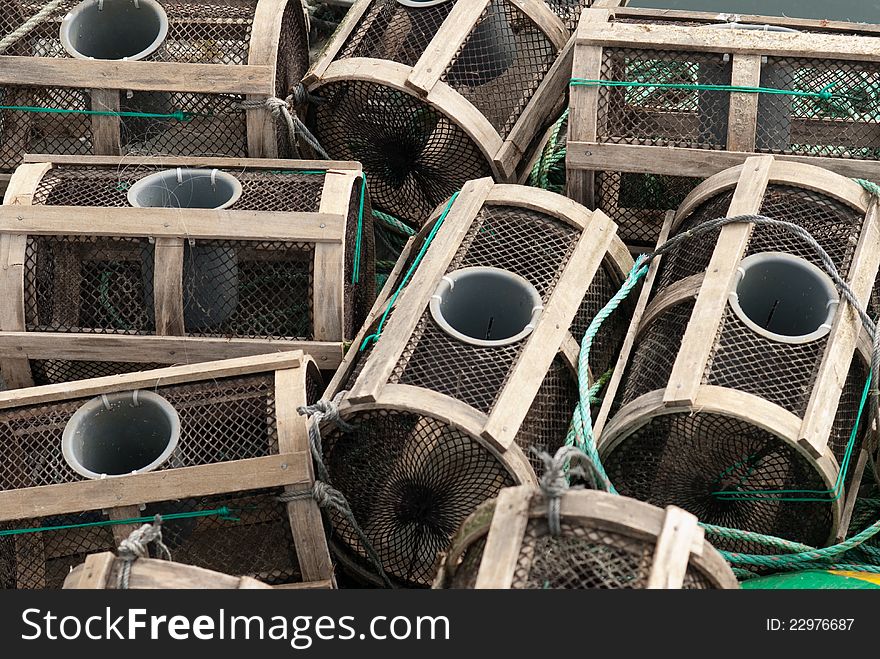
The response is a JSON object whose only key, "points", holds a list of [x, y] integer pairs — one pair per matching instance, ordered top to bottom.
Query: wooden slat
{"points": [[545, 20], [350, 22], [266, 30], [446, 42], [755, 42], [136, 75], [743, 117], [106, 130], [194, 161], [198, 223], [168, 286], [684, 289], [415, 298], [702, 329], [842, 341], [89, 346], [149, 379], [515, 399], [171, 484], [852, 495], [306, 523], [122, 531], [505, 538], [673, 552], [95, 572]]}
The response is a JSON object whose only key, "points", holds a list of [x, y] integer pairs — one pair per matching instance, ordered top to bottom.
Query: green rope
{"points": [[824, 94], [179, 115], [548, 162], [870, 187], [392, 223], [356, 271], [372, 338], [223, 513]]}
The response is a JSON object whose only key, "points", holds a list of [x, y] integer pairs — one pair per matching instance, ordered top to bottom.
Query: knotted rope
{"points": [[29, 25], [286, 109], [555, 482], [324, 494], [137, 545]]}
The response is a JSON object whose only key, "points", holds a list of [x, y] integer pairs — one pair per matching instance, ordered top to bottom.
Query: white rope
{"points": [[30, 24]]}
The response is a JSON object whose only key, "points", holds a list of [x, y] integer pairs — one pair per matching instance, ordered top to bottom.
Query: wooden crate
{"points": [[216, 55], [428, 98], [637, 152], [287, 248], [706, 405], [438, 418], [242, 443], [607, 541], [101, 572]]}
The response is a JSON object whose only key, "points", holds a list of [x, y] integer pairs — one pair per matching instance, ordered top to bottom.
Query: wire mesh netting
{"points": [[569, 11], [199, 32], [664, 117], [530, 244], [54, 371], [221, 420], [411, 481], [258, 543]]}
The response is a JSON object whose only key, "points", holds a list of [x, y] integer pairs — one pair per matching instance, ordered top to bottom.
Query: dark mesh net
{"points": [[569, 11], [55, 371], [411, 481], [258, 543]]}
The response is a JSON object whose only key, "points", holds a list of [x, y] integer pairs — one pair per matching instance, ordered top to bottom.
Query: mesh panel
{"points": [[569, 11], [390, 31], [501, 64], [664, 117], [838, 128], [415, 157], [262, 190], [638, 202], [530, 244], [86, 284], [250, 289], [359, 297], [54, 371], [222, 420], [691, 459], [411, 481], [258, 544], [465, 576]]}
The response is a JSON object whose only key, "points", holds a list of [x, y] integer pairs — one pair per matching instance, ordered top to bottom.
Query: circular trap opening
{"points": [[114, 29], [185, 188], [784, 297], [486, 306], [120, 433]]}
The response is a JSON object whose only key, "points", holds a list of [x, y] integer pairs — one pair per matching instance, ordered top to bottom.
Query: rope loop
{"points": [[568, 462], [137, 545]]}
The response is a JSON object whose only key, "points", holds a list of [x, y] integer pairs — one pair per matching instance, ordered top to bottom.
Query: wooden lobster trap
{"points": [[158, 76], [428, 97], [636, 149], [112, 264], [467, 362], [738, 394], [209, 447], [605, 542], [101, 572]]}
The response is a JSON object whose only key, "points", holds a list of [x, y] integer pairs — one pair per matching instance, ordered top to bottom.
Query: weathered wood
{"points": [[106, 129], [168, 286], [505, 538], [673, 552]]}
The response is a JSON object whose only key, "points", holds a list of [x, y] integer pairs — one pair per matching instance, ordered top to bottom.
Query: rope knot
{"points": [[326, 410], [554, 483], [137, 545]]}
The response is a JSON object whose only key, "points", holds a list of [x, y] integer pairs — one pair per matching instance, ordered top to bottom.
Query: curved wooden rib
{"points": [[265, 40], [680, 291]]}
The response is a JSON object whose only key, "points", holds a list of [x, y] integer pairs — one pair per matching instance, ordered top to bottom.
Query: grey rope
{"points": [[29, 25], [286, 109], [827, 263], [558, 469], [324, 494], [137, 545]]}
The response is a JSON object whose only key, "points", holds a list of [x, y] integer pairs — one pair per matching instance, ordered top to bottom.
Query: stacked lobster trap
{"points": [[108, 77], [430, 95], [658, 103], [115, 265], [467, 363], [738, 394], [212, 448], [604, 541]]}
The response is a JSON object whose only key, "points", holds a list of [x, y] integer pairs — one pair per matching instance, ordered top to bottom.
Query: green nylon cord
{"points": [[824, 94], [179, 115], [551, 156], [394, 224], [356, 270], [375, 336], [222, 513]]}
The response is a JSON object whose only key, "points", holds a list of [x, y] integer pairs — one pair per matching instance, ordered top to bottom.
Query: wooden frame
{"points": [[257, 79], [423, 81], [589, 153], [326, 229], [685, 390], [290, 468], [679, 541]]}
